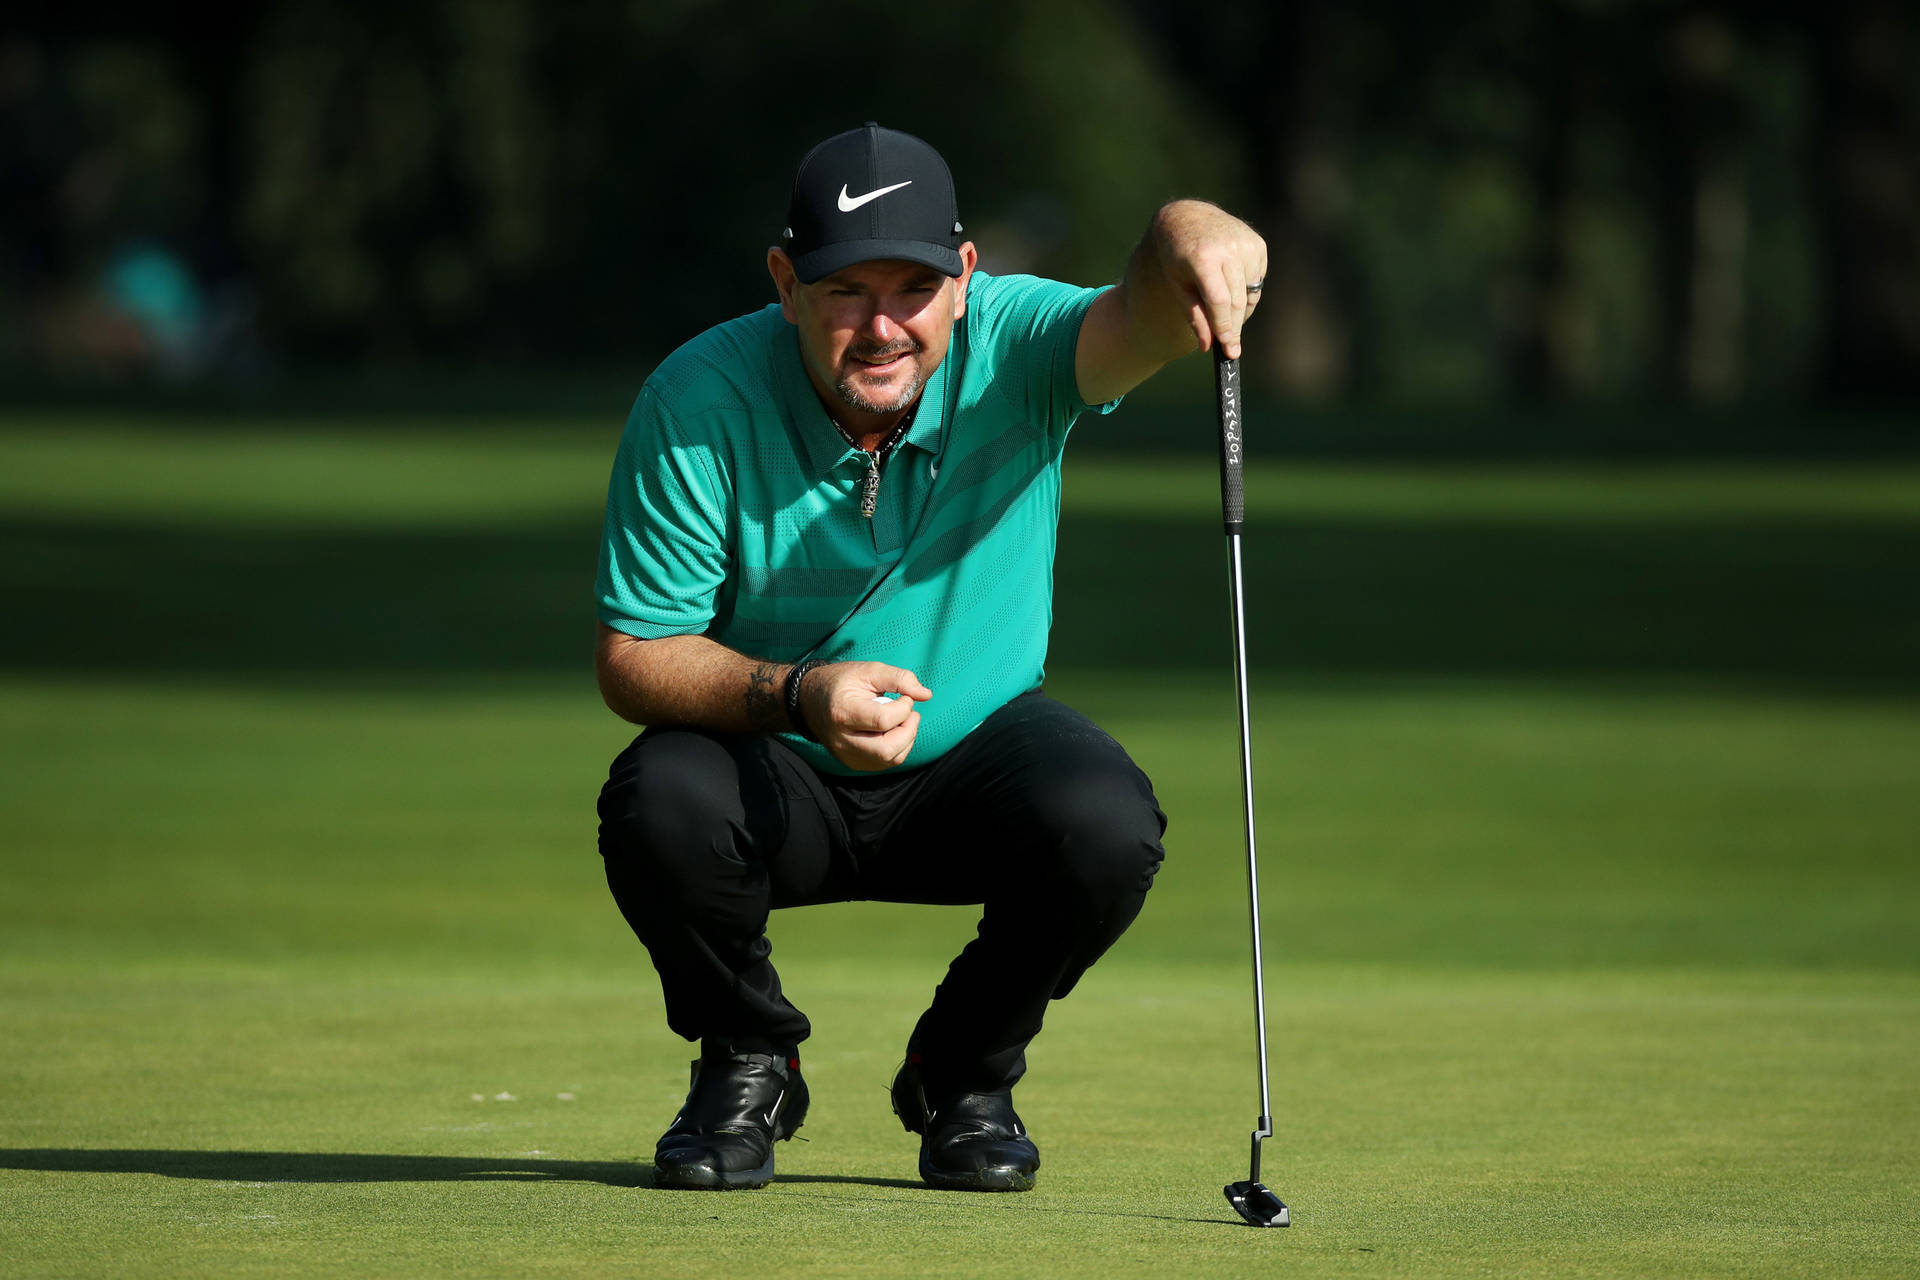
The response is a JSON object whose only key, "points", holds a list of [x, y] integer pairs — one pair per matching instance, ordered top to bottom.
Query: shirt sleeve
{"points": [[1030, 328], [664, 547]]}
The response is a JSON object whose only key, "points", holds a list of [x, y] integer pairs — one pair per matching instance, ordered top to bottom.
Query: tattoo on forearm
{"points": [[764, 701]]}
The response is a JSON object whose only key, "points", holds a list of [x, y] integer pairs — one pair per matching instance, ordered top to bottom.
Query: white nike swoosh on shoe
{"points": [[849, 203], [774, 1110]]}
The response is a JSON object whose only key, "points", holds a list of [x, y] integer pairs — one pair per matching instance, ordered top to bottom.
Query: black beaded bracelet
{"points": [[795, 715]]}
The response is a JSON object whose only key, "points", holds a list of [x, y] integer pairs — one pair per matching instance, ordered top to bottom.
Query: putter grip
{"points": [[1233, 504]]}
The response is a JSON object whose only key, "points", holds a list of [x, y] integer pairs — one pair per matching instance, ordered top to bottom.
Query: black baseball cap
{"points": [[872, 193]]}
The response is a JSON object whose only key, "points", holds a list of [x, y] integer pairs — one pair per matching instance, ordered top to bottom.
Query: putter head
{"points": [[1259, 1206]]}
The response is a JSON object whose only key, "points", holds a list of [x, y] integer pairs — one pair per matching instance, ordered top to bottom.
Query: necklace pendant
{"points": [[870, 490]]}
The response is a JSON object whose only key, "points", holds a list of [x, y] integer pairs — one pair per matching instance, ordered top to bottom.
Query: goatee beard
{"points": [[858, 399]]}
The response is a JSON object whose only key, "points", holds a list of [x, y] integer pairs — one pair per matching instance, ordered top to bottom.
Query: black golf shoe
{"points": [[739, 1105], [968, 1141]]}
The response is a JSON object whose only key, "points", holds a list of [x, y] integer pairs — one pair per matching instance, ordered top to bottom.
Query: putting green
{"points": [[1586, 810]]}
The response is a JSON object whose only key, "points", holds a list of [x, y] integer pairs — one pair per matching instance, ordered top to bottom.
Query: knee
{"points": [[666, 804], [1100, 831]]}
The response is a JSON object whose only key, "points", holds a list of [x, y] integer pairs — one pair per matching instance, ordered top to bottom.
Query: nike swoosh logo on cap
{"points": [[849, 203]]}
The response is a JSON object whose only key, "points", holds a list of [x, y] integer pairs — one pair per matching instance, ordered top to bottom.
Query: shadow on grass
{"points": [[1810, 604], [322, 1166], [343, 1166]]}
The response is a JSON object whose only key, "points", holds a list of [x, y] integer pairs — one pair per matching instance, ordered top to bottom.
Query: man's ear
{"points": [[969, 258], [785, 280]]}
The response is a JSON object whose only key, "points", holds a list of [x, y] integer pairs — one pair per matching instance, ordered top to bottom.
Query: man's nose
{"points": [[881, 327]]}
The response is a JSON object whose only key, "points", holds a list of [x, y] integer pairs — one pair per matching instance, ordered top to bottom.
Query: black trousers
{"points": [[1038, 815]]}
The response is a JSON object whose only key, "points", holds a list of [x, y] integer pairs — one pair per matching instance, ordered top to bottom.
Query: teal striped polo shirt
{"points": [[734, 508]]}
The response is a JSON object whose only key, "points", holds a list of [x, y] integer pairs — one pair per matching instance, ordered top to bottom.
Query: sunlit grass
{"points": [[1604, 965]]}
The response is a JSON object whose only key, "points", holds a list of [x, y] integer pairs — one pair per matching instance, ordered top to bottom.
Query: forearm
{"points": [[1186, 286], [1155, 308], [691, 680], [864, 713]]}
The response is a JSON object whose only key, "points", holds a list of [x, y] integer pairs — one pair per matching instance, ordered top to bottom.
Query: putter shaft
{"points": [[1237, 575], [1251, 1199]]}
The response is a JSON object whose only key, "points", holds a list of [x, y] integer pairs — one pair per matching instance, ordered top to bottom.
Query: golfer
{"points": [[825, 587]]}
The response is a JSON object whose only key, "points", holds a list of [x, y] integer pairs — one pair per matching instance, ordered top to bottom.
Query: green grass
{"points": [[1587, 813]]}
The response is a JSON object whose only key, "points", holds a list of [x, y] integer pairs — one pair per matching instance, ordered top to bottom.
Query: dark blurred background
{"points": [[1515, 202]]}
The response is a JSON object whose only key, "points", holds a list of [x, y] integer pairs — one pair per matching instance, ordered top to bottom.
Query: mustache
{"points": [[878, 352]]}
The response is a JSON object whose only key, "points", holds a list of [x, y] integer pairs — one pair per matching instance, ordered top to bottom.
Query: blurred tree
{"points": [[214, 63], [1278, 77], [1696, 134], [37, 145], [511, 179], [1866, 180], [1467, 187], [1551, 198], [373, 225], [1783, 295], [1544, 327]]}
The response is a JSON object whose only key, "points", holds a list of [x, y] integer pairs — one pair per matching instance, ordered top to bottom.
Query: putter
{"points": [[1252, 1199]]}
